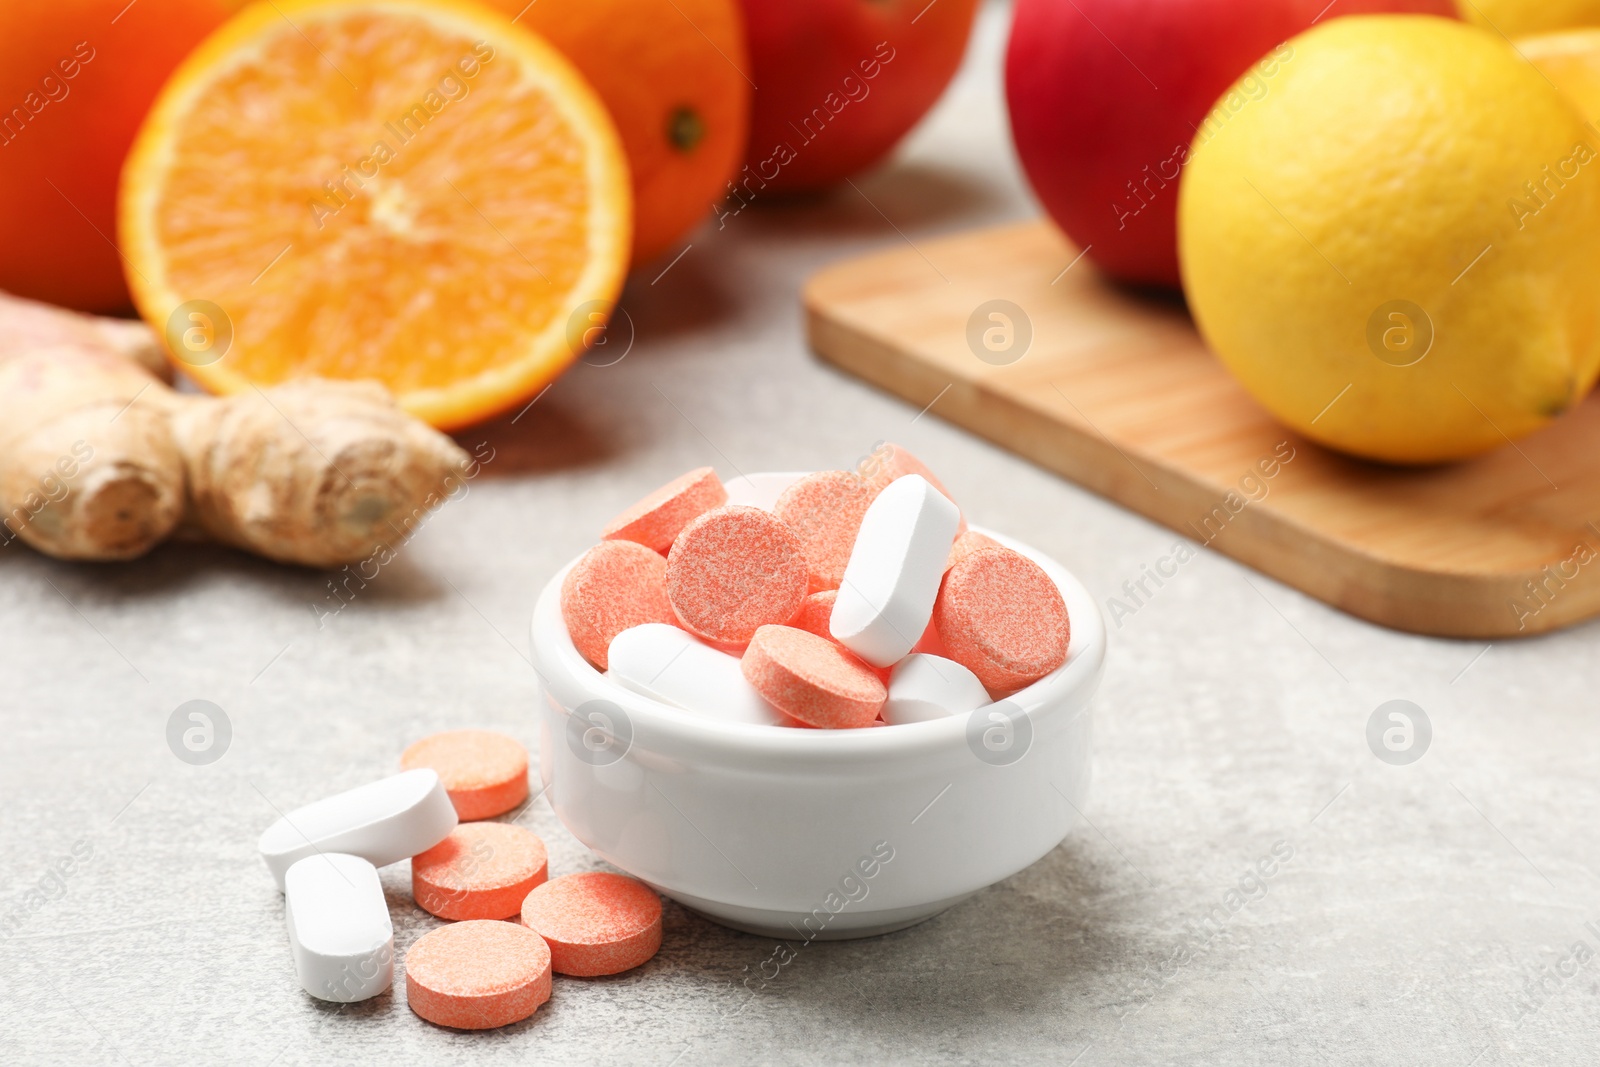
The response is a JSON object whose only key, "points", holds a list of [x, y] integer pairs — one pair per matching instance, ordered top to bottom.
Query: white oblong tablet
{"points": [[760, 490], [892, 579], [662, 661], [924, 687], [383, 822], [339, 929]]}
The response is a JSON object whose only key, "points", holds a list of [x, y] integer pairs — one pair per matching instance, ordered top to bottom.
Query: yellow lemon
{"points": [[1515, 17], [1570, 59], [1394, 240]]}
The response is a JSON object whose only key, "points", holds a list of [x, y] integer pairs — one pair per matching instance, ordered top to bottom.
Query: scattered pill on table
{"points": [[825, 510], [657, 520], [733, 570], [892, 580], [613, 586], [1000, 616], [672, 665], [812, 679], [926, 687], [485, 773], [382, 822], [483, 870], [595, 923], [339, 929], [478, 974]]}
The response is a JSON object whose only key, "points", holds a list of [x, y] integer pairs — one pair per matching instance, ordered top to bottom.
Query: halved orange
{"points": [[414, 191]]}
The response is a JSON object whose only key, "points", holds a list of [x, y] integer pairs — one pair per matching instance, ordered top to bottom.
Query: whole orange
{"points": [[673, 74], [76, 78]]}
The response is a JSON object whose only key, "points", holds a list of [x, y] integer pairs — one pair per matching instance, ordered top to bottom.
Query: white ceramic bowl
{"points": [[816, 834]]}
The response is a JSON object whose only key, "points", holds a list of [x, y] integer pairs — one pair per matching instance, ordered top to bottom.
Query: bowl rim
{"points": [[554, 653]]}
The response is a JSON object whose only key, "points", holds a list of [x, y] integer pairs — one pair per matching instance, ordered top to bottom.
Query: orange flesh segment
{"points": [[361, 206]]}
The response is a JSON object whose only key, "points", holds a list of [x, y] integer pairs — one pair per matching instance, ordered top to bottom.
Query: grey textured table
{"points": [[1432, 913]]}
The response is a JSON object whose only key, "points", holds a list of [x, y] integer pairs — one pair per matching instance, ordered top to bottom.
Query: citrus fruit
{"points": [[1513, 18], [1571, 60], [672, 74], [76, 77], [413, 191], [1393, 246]]}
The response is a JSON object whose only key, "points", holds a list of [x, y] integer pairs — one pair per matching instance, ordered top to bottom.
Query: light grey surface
{"points": [[1420, 906]]}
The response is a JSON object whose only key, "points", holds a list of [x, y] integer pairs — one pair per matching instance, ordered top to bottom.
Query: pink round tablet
{"points": [[891, 462], [825, 510], [657, 519], [966, 544], [734, 570], [613, 587], [815, 611], [1001, 617], [812, 679], [485, 773], [483, 870], [595, 922], [477, 975]]}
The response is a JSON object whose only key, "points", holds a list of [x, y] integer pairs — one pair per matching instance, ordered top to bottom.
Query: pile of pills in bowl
{"points": [[846, 600], [478, 971]]}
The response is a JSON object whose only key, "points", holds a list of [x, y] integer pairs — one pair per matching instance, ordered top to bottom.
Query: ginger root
{"points": [[101, 460]]}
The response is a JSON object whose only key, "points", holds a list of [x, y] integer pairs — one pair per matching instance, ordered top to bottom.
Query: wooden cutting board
{"points": [[1118, 393]]}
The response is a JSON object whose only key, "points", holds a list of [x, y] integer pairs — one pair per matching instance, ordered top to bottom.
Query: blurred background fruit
{"points": [[1516, 17], [1570, 59], [672, 74], [76, 77], [839, 82], [1105, 96], [424, 194], [1394, 249]]}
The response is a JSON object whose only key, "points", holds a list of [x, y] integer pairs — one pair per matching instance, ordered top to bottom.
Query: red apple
{"points": [[838, 82], [1106, 95]]}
